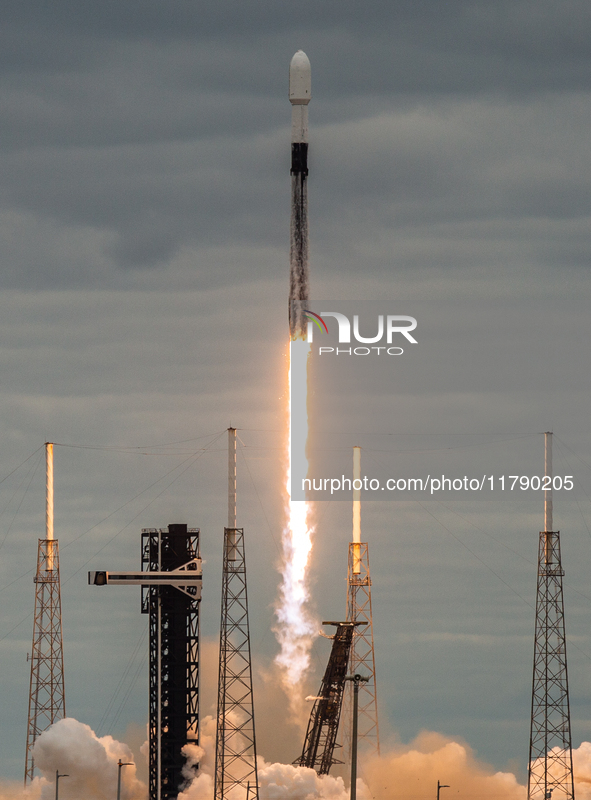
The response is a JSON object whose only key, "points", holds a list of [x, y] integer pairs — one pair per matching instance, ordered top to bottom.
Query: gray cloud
{"points": [[460, 184]]}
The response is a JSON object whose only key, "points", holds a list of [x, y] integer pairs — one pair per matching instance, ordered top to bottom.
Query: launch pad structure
{"points": [[170, 578], [171, 593], [359, 610], [174, 655], [362, 658], [47, 703], [321, 735], [235, 751], [236, 765], [550, 773]]}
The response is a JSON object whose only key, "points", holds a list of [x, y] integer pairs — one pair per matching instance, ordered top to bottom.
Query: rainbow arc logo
{"points": [[317, 319]]}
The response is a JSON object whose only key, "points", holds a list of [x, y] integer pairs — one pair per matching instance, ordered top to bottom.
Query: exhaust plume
{"points": [[295, 629]]}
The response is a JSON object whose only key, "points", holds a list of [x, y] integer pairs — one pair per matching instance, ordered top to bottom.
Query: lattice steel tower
{"points": [[362, 659], [47, 702], [235, 753], [550, 774]]}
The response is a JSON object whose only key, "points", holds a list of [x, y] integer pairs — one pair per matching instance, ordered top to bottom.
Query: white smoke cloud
{"points": [[89, 761], [582, 771], [402, 773], [276, 781], [286, 782], [200, 787]]}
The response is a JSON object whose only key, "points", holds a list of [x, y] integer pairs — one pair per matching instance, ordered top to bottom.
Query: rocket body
{"points": [[299, 97]]}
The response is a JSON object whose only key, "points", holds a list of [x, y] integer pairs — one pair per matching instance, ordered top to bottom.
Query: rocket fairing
{"points": [[299, 96]]}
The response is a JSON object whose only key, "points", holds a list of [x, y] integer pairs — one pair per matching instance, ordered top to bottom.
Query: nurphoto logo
{"points": [[395, 324]]}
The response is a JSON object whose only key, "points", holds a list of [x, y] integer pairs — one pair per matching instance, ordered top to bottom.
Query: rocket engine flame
{"points": [[296, 629]]}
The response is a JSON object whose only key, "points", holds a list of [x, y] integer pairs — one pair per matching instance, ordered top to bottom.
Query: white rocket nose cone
{"points": [[300, 79]]}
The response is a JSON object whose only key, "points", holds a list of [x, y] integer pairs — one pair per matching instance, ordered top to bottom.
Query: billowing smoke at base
{"points": [[90, 763], [582, 771], [406, 772], [412, 772]]}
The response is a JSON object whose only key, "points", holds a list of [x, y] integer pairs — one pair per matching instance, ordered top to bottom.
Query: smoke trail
{"points": [[298, 252]]}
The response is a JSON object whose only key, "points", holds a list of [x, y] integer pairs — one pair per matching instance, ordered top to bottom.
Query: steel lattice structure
{"points": [[170, 578], [174, 657], [362, 659], [47, 702], [321, 735], [550, 749], [235, 758]]}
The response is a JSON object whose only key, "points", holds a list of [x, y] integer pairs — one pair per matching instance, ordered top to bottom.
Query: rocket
{"points": [[299, 97]]}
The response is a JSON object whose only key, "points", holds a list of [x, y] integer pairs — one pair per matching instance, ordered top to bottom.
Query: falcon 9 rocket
{"points": [[299, 97]]}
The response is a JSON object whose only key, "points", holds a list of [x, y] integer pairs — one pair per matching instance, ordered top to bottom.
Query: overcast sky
{"points": [[144, 236]]}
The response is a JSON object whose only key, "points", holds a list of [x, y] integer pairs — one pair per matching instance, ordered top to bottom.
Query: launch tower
{"points": [[171, 593], [359, 610], [174, 655], [47, 702], [235, 755], [550, 774]]}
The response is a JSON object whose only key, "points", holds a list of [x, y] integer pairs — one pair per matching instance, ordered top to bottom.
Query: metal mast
{"points": [[359, 611], [46, 692], [550, 749], [235, 752]]}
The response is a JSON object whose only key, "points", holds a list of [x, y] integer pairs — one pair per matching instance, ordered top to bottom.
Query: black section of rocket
{"points": [[299, 158]]}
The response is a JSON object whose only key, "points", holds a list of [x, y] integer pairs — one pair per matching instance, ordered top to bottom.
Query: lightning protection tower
{"points": [[362, 659], [47, 702], [235, 752], [550, 773]]}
